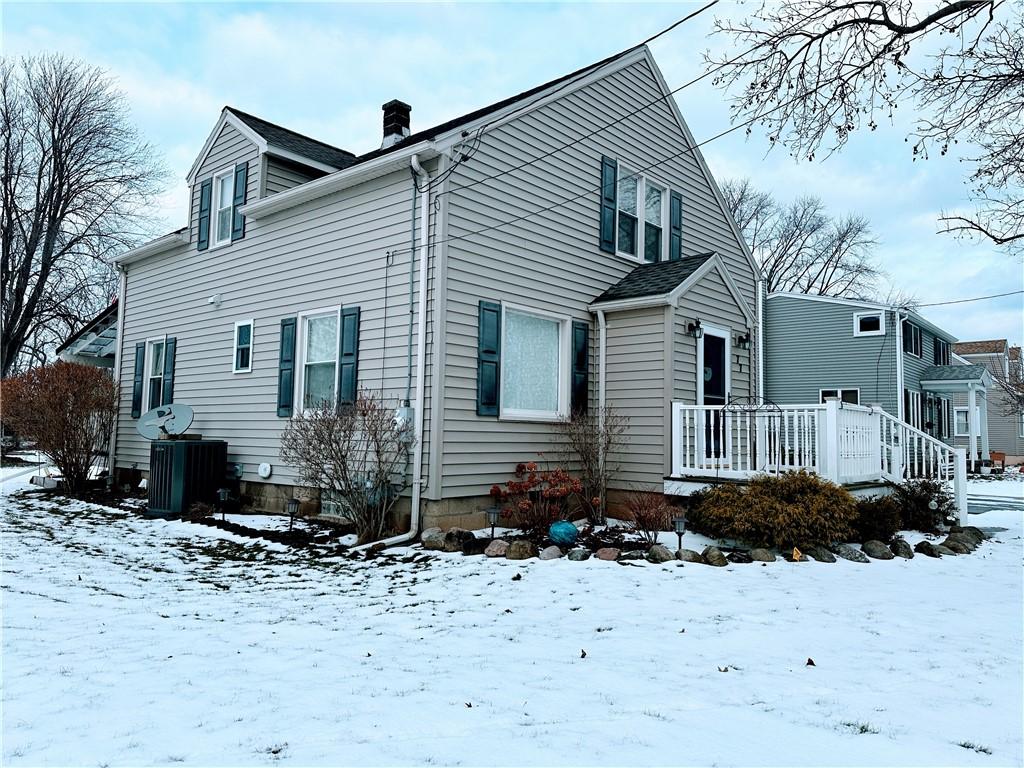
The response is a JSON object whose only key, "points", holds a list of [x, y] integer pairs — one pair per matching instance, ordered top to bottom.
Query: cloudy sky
{"points": [[325, 69]]}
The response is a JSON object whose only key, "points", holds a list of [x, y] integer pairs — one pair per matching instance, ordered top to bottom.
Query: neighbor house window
{"points": [[223, 198], [641, 215], [869, 324], [912, 339], [243, 347], [319, 347], [941, 356], [534, 363], [154, 372], [846, 395], [912, 408], [1020, 424], [961, 427]]}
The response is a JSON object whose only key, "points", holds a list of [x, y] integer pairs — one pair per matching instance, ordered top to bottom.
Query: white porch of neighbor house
{"points": [[972, 381], [847, 444]]}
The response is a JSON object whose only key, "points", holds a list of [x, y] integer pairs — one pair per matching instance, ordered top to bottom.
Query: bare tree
{"points": [[811, 72], [75, 183], [800, 247], [357, 452]]}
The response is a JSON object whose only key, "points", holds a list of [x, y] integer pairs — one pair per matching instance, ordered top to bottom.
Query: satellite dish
{"points": [[170, 419]]}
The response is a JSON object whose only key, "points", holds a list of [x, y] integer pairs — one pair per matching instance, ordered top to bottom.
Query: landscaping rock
{"points": [[581, 523], [972, 531], [432, 538], [455, 538], [962, 538], [475, 546], [957, 546], [497, 548], [901, 548], [521, 549], [876, 549], [927, 549], [942, 549], [847, 552], [550, 553], [607, 553], [659, 553], [579, 554], [633, 554], [820, 554], [762, 555], [689, 556], [714, 556], [739, 557]]}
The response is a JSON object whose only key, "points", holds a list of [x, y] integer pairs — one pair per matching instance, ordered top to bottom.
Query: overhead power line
{"points": [[975, 298]]}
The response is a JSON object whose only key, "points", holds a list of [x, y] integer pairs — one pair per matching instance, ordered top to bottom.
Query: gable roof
{"points": [[292, 141], [654, 279], [100, 327], [989, 347], [961, 374]]}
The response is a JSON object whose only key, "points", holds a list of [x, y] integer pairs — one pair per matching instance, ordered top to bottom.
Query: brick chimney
{"points": [[396, 122]]}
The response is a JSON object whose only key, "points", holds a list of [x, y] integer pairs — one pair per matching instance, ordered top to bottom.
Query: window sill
{"points": [[215, 246], [868, 333], [243, 370], [535, 418]]}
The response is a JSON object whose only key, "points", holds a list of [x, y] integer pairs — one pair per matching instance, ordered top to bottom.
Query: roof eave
{"points": [[153, 248]]}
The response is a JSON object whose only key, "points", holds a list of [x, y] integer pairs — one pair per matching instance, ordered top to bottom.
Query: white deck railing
{"points": [[842, 442]]}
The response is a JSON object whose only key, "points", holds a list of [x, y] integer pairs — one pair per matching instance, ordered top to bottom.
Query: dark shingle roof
{"points": [[296, 142], [654, 279], [104, 319], [991, 347], [953, 372]]}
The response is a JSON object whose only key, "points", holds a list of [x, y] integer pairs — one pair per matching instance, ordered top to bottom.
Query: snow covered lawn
{"points": [[134, 642]]}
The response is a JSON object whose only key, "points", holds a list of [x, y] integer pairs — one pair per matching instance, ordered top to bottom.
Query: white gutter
{"points": [[153, 247], [122, 289], [760, 339], [421, 367]]}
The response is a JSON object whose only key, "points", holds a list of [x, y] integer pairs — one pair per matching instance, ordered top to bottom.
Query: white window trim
{"points": [[229, 173], [641, 211], [881, 323], [564, 332], [920, 335], [234, 345], [300, 352], [147, 365], [839, 393], [956, 421], [1020, 424]]}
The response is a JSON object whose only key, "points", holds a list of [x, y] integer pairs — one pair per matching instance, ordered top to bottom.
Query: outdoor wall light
{"points": [[694, 329], [743, 342], [293, 509], [493, 513], [679, 525]]}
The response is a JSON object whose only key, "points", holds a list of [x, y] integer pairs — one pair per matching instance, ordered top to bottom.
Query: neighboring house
{"points": [[494, 299], [96, 342], [870, 354], [1005, 423]]}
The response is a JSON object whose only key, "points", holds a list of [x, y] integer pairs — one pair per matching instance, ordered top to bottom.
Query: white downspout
{"points": [[760, 339], [898, 343], [119, 347], [602, 350], [421, 367]]}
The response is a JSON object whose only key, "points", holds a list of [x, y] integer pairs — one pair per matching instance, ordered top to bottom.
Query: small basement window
{"points": [[869, 324], [243, 347], [850, 395]]}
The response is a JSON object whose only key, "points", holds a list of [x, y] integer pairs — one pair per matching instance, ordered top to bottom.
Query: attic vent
{"points": [[396, 122]]}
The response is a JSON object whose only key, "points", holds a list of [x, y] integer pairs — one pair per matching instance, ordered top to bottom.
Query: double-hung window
{"points": [[223, 199], [641, 217], [912, 339], [243, 347], [319, 348], [941, 356], [534, 365], [154, 372], [851, 396], [961, 426]]}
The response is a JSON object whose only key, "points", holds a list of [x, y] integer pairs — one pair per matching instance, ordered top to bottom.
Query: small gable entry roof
{"points": [[665, 283]]}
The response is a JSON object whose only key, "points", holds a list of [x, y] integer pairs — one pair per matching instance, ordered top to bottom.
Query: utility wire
{"points": [[975, 298]]}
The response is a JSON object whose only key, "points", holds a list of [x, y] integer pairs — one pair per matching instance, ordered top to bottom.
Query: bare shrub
{"points": [[68, 410], [591, 440], [359, 452], [535, 498], [650, 515]]}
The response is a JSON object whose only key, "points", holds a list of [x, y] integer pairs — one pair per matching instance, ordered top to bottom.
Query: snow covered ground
{"points": [[134, 642]]}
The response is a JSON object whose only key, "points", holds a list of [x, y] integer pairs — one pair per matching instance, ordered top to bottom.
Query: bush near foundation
{"points": [[913, 498], [793, 509], [878, 518]]}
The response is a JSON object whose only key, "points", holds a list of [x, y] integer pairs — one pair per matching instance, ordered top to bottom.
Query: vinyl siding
{"points": [[228, 150], [281, 175], [326, 253], [551, 261], [810, 346], [1003, 428]]}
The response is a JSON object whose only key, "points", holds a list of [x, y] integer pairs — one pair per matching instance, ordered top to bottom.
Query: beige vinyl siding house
{"points": [[326, 231]]}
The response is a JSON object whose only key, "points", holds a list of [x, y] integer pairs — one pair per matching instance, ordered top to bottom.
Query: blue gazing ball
{"points": [[563, 533]]}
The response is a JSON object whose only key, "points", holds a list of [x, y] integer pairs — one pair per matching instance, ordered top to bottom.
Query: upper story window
{"points": [[223, 198], [641, 217], [869, 324], [912, 339], [243, 347], [941, 356], [534, 365]]}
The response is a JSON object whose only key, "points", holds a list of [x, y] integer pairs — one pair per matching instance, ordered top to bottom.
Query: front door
{"points": [[713, 389]]}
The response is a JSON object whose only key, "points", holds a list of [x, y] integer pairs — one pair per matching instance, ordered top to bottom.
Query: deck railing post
{"points": [[761, 426], [830, 436], [960, 483]]}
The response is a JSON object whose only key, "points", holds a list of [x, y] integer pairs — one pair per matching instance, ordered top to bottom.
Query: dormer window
{"points": [[223, 196], [641, 215]]}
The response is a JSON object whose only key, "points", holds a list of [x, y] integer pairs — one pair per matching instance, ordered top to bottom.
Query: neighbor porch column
{"points": [[984, 426], [972, 427]]}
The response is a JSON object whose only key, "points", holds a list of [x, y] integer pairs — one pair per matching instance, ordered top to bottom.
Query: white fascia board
{"points": [[226, 117], [338, 181], [153, 247], [829, 300], [640, 302], [918, 320]]}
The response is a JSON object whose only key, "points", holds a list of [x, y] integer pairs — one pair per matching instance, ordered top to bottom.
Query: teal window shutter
{"points": [[609, 178], [205, 200], [237, 219], [675, 227], [170, 345], [348, 358], [488, 358], [580, 366], [286, 368], [138, 380]]}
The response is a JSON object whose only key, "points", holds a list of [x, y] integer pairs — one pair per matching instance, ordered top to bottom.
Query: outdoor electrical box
{"points": [[183, 472]]}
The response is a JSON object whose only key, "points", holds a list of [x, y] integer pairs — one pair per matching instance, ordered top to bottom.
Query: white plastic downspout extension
{"points": [[421, 367]]}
